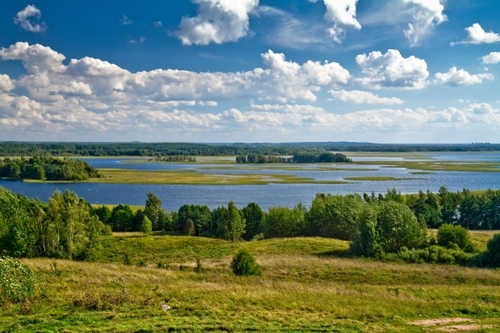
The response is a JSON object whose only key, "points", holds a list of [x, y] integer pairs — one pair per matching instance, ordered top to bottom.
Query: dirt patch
{"points": [[442, 321], [462, 328]]}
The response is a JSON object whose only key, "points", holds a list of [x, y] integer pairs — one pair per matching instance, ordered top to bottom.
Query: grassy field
{"points": [[188, 177], [308, 285]]}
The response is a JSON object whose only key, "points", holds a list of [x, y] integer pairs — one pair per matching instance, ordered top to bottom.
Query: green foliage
{"points": [[47, 168], [155, 213], [200, 216], [334, 216], [122, 218], [254, 218], [284, 222], [230, 224], [146, 226], [387, 227], [398, 227], [189, 228], [450, 236], [490, 257], [243, 264], [18, 282]]}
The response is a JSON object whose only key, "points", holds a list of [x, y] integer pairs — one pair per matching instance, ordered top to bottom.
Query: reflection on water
{"points": [[174, 196]]}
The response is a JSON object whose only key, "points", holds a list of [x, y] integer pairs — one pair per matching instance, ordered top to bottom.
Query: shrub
{"points": [[451, 236], [490, 257], [243, 264], [18, 282]]}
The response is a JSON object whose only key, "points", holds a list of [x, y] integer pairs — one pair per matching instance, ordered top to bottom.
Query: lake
{"points": [[174, 196]]}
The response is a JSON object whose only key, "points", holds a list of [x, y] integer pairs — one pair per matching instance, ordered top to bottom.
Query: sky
{"points": [[383, 71]]}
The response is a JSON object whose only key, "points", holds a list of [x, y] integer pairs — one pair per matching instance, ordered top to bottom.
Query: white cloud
{"points": [[342, 13], [426, 14], [24, 16], [126, 21], [218, 21], [477, 35], [36, 58], [492, 58], [391, 70], [460, 77], [97, 81], [6, 83], [362, 97]]}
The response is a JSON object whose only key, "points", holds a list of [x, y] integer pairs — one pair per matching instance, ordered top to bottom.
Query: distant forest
{"points": [[233, 149]]}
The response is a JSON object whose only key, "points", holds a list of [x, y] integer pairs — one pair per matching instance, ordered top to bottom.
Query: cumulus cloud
{"points": [[342, 13], [426, 15], [24, 17], [218, 21], [477, 35], [491, 59], [391, 70], [460, 77], [97, 82], [6, 83], [362, 97]]}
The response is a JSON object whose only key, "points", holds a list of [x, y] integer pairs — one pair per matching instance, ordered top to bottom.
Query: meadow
{"points": [[184, 284]]}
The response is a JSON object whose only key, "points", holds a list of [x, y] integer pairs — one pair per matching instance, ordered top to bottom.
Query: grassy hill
{"points": [[308, 285]]}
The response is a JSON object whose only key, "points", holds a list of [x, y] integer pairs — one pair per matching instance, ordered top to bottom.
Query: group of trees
{"points": [[238, 149], [305, 157], [174, 158], [49, 168], [376, 226], [64, 228]]}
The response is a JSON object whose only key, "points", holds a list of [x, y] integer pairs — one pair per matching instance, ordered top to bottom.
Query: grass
{"points": [[189, 177], [307, 285]]}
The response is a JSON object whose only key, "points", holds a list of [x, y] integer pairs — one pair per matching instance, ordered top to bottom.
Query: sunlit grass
{"points": [[190, 177], [306, 286]]}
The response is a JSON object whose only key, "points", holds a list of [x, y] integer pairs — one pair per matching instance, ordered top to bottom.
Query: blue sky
{"points": [[407, 71]]}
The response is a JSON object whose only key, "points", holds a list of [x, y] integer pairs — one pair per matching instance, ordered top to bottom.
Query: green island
{"points": [[388, 263]]}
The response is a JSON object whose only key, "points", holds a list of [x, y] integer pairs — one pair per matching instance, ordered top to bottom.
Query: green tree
{"points": [[155, 212], [334, 216], [254, 218], [284, 222], [146, 225], [231, 225], [398, 227]]}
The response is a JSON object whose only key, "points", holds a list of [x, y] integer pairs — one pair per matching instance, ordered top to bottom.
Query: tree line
{"points": [[10, 148], [326, 157], [47, 168], [385, 226]]}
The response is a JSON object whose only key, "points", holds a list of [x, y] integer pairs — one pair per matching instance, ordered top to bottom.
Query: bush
{"points": [[452, 236], [490, 257], [243, 264], [18, 283]]}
